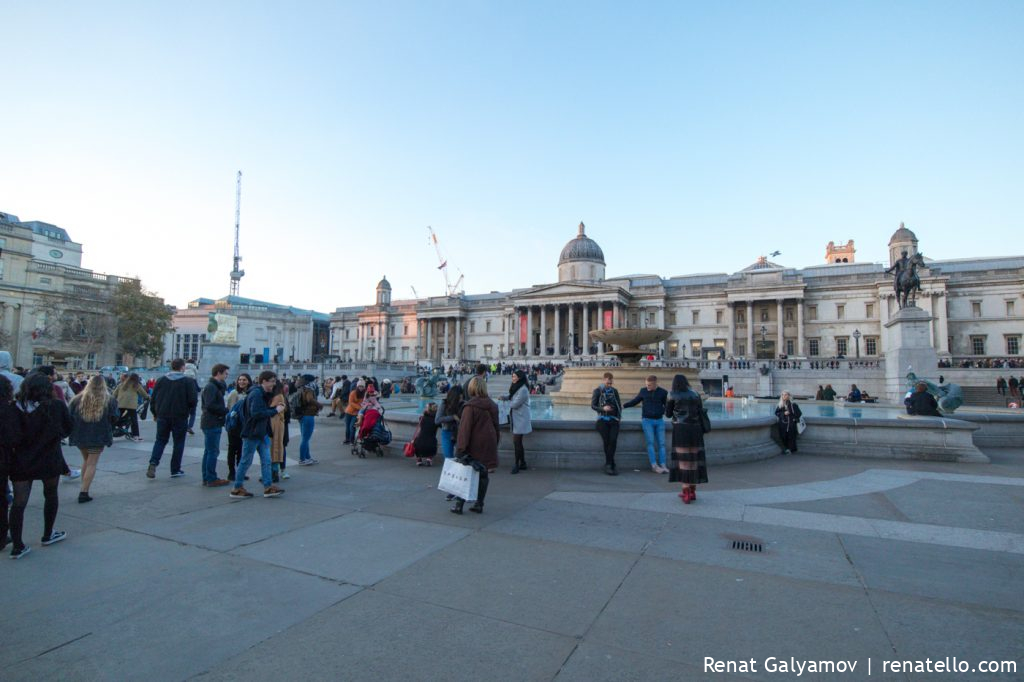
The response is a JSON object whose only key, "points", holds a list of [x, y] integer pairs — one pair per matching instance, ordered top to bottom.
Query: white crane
{"points": [[236, 271], [449, 288]]}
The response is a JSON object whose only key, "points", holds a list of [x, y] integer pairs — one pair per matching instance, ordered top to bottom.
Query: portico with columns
{"points": [[555, 321]]}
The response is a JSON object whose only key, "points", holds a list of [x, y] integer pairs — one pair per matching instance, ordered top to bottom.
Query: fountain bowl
{"points": [[628, 342]]}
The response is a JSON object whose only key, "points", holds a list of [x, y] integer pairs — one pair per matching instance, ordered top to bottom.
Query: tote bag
{"points": [[460, 480]]}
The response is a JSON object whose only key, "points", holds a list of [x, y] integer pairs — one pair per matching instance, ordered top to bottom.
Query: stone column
{"points": [[939, 310], [730, 312], [615, 315], [660, 318], [600, 325], [572, 328], [800, 328], [508, 329], [586, 329], [543, 330], [558, 330], [750, 330], [529, 331], [781, 335], [419, 340], [459, 345], [445, 346]]}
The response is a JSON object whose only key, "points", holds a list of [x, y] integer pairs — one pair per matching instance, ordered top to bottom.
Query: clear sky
{"points": [[689, 137]]}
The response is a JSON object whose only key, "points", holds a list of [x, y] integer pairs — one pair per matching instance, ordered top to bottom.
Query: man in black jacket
{"points": [[174, 396], [654, 399], [606, 402], [212, 423]]}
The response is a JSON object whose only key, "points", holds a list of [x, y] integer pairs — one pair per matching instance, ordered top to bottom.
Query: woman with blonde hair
{"points": [[129, 395], [93, 412], [788, 414], [477, 442]]}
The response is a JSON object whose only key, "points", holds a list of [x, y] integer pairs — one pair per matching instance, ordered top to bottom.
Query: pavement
{"points": [[359, 572]]}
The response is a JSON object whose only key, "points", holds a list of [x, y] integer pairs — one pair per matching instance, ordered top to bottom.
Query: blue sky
{"points": [[690, 137]]}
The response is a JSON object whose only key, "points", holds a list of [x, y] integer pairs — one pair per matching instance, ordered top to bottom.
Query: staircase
{"points": [[986, 396]]}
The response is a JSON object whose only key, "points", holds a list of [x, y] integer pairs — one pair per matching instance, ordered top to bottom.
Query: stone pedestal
{"points": [[910, 350], [213, 353]]}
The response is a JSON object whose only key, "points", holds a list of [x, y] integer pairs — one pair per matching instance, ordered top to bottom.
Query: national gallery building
{"points": [[769, 311]]}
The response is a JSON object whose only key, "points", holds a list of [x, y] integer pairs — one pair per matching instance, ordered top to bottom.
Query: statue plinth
{"points": [[910, 349], [219, 353]]}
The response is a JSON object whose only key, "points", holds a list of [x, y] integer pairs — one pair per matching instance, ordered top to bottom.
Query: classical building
{"points": [[52, 310], [766, 310], [267, 332]]}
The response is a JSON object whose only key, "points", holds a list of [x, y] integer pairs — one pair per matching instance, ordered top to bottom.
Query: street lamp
{"points": [[764, 339], [856, 340]]}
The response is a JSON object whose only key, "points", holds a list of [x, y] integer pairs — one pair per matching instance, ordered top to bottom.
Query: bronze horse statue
{"points": [[906, 282]]}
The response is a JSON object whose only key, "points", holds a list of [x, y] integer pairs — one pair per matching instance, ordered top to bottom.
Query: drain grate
{"points": [[745, 546]]}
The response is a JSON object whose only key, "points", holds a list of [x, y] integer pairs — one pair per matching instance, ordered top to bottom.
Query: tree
{"points": [[142, 320]]}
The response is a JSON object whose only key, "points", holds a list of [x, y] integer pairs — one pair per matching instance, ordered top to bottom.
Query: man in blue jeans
{"points": [[174, 396], [654, 399], [307, 407], [212, 423], [256, 437]]}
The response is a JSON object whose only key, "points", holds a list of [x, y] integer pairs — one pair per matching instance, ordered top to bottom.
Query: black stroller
{"points": [[125, 420]]}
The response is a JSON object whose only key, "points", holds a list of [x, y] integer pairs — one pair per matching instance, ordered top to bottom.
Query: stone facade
{"points": [[53, 311], [764, 311]]}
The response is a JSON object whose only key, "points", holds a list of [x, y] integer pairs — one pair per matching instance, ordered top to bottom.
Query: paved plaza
{"points": [[359, 572]]}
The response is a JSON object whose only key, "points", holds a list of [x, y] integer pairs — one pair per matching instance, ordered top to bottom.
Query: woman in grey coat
{"points": [[519, 416]]}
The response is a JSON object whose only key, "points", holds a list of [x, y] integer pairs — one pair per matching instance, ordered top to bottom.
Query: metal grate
{"points": [[745, 546]]}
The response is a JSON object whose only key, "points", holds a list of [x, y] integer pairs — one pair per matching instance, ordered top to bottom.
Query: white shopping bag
{"points": [[801, 425], [460, 480]]}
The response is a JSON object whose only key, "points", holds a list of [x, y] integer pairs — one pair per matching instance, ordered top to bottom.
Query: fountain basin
{"points": [[629, 341]]}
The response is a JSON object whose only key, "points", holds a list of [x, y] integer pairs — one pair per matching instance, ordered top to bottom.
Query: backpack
{"points": [[237, 415]]}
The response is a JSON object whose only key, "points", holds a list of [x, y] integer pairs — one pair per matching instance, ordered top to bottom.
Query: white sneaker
{"points": [[75, 473], [285, 475]]}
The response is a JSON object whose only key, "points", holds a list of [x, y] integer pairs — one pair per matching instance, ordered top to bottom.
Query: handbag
{"points": [[705, 422], [801, 425], [409, 450], [461, 480]]}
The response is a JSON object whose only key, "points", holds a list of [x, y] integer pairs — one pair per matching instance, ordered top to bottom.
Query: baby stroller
{"points": [[123, 424], [373, 434]]}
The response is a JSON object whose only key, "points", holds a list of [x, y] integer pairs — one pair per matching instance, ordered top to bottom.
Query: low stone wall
{"points": [[995, 430], [924, 438], [576, 444]]}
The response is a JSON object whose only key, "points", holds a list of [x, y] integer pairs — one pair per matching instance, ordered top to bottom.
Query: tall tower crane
{"points": [[236, 271], [449, 288]]}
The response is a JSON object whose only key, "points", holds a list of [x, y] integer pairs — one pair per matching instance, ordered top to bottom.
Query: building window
{"points": [[976, 308], [1009, 308], [869, 310], [840, 311], [812, 312], [764, 314], [789, 314], [696, 317], [718, 317], [741, 317], [670, 318], [472, 327], [487, 328], [373, 330], [391, 330], [346, 334], [719, 343], [841, 345], [870, 345], [977, 345], [1013, 345], [789, 347], [812, 347], [695, 348], [673, 349], [741, 349], [488, 350], [471, 351]]}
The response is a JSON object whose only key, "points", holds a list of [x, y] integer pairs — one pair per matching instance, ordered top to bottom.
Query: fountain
{"points": [[578, 383]]}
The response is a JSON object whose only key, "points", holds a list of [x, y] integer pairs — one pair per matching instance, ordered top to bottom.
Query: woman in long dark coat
{"points": [[686, 409], [788, 414], [10, 433], [38, 457]]}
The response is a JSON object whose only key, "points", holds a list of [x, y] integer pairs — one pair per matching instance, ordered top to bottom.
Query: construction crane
{"points": [[236, 271], [449, 288], [414, 294]]}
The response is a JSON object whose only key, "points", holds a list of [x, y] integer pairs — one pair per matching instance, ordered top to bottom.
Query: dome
{"points": [[902, 235], [581, 248], [384, 284]]}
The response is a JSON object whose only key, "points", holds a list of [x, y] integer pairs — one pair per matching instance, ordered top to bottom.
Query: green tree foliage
{"points": [[142, 320]]}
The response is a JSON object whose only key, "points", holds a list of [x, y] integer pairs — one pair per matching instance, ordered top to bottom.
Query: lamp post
{"points": [[764, 339], [856, 340]]}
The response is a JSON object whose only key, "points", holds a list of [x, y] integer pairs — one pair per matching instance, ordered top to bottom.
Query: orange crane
{"points": [[449, 288]]}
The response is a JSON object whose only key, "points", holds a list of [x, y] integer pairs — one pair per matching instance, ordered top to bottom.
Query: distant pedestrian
{"points": [[192, 372], [242, 385], [1001, 386], [1014, 386], [820, 393], [829, 394], [129, 395], [854, 396], [174, 398], [606, 402], [355, 403], [922, 403], [307, 408], [685, 408], [93, 413], [256, 414], [448, 415], [788, 415], [279, 433], [425, 443], [38, 457]]}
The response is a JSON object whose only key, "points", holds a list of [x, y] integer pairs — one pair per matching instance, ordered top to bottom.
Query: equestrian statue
{"points": [[906, 283]]}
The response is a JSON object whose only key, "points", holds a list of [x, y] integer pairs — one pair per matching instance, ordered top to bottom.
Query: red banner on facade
{"points": [[607, 322], [522, 328]]}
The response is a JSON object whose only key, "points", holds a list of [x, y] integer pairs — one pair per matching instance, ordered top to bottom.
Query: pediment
{"points": [[567, 289]]}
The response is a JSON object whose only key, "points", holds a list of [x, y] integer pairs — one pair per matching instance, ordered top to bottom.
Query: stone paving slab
{"points": [[972, 505], [357, 548], [991, 579], [549, 586], [685, 612], [188, 618], [377, 636], [592, 661]]}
